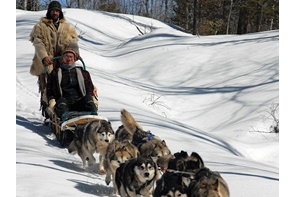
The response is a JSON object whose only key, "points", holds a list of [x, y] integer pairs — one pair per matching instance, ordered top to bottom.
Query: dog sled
{"points": [[64, 127]]}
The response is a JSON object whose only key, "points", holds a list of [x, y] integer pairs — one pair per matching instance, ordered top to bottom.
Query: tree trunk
{"points": [[25, 4], [147, 8], [166, 11], [186, 15], [229, 15], [258, 17], [243, 20], [195, 31]]}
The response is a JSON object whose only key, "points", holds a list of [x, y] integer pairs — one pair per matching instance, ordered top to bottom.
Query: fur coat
{"points": [[49, 41]]}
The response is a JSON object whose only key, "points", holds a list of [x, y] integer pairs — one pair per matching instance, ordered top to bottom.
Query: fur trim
{"points": [[46, 43]]}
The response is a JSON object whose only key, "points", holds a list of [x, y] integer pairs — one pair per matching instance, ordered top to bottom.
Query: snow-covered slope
{"points": [[208, 94]]}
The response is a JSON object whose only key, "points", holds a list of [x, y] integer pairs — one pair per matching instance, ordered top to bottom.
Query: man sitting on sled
{"points": [[70, 88]]}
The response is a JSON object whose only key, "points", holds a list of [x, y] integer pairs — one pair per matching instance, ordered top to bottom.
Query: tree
{"points": [[25, 4], [229, 15], [195, 17], [199, 17], [243, 18]]}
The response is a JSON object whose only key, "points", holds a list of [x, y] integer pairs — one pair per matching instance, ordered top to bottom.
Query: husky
{"points": [[123, 134], [87, 139], [147, 143], [117, 152], [163, 162], [183, 162], [189, 165], [179, 170], [136, 177], [208, 183], [170, 185]]}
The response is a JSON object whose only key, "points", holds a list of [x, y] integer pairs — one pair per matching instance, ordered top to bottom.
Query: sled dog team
{"points": [[139, 163]]}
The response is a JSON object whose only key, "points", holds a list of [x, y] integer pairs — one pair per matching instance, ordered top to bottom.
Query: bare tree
{"points": [[25, 4], [186, 14], [195, 17], [204, 17], [273, 112]]}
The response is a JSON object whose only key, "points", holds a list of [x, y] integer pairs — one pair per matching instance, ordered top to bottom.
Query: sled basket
{"points": [[64, 128]]}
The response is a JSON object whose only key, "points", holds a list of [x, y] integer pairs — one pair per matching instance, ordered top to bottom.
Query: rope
{"points": [[180, 172]]}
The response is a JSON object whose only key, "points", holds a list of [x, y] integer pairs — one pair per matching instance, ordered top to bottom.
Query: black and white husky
{"points": [[87, 140], [136, 177]]}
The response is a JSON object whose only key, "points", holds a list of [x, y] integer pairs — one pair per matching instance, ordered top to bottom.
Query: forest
{"points": [[197, 17]]}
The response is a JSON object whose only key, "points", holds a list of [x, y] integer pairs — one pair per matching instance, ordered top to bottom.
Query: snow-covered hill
{"points": [[208, 94]]}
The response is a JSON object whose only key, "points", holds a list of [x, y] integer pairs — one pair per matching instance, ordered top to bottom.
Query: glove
{"points": [[47, 61], [95, 91], [95, 99], [50, 108]]}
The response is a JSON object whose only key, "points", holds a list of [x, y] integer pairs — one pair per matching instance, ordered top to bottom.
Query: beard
{"points": [[54, 17]]}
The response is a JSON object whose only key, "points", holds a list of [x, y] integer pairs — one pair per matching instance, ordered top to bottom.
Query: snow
{"points": [[207, 94]]}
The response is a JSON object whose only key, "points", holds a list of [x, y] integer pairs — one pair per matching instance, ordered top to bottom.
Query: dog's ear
{"points": [[92, 126], [124, 148], [183, 154], [195, 155], [198, 158], [180, 165], [215, 185]]}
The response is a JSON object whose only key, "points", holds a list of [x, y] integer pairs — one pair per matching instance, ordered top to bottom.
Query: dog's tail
{"points": [[129, 122]]}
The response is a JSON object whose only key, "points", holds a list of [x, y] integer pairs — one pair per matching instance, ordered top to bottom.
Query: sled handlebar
{"points": [[58, 57]]}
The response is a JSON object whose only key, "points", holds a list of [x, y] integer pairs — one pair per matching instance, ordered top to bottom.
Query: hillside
{"points": [[208, 94]]}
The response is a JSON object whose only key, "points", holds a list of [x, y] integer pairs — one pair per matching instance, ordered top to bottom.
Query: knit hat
{"points": [[54, 5], [69, 50]]}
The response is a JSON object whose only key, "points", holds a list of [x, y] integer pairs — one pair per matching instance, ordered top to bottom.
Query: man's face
{"points": [[54, 14], [68, 58]]}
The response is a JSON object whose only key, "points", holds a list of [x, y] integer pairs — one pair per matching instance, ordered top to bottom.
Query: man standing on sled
{"points": [[50, 36], [70, 88]]}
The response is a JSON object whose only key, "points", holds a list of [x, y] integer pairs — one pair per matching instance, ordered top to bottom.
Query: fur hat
{"points": [[54, 5]]}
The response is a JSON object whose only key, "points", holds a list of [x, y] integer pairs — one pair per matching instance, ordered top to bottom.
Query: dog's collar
{"points": [[150, 136], [176, 171]]}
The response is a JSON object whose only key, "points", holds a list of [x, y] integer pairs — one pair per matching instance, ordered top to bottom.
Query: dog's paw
{"points": [[102, 171], [108, 179], [115, 195]]}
